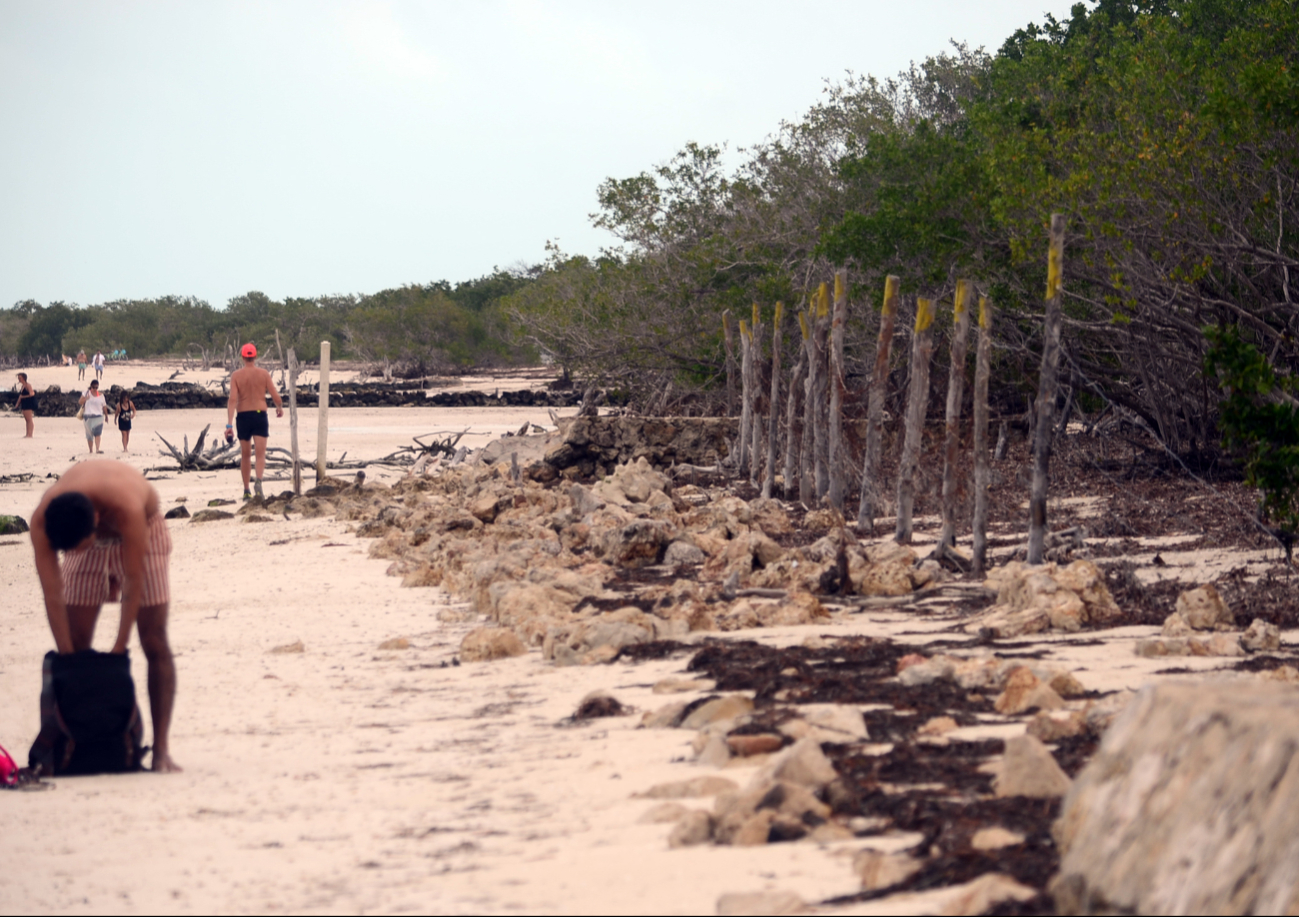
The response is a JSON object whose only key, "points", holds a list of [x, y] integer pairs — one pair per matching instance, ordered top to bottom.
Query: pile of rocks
{"points": [[1045, 597], [1202, 624]]}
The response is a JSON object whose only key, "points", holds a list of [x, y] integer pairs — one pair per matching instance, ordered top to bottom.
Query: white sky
{"points": [[299, 148]]}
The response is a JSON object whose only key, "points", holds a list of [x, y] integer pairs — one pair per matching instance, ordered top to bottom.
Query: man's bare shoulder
{"points": [[107, 483]]}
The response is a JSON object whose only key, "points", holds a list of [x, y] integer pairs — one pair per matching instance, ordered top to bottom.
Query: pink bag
{"points": [[8, 769]]}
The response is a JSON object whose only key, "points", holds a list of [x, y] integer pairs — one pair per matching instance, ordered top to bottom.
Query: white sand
{"points": [[349, 779]]}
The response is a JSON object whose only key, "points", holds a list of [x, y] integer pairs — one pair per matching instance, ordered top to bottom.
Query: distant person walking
{"points": [[99, 364], [81, 365], [249, 387], [27, 403], [95, 406], [125, 414]]}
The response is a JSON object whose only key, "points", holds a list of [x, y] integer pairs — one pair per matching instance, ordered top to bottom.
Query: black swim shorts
{"points": [[252, 423]]}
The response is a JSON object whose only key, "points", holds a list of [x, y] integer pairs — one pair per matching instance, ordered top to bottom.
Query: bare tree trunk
{"points": [[922, 350], [730, 363], [982, 371], [1046, 387], [821, 391], [955, 394], [746, 402], [773, 413], [793, 413], [293, 421], [755, 450], [837, 459], [806, 481], [870, 485]]}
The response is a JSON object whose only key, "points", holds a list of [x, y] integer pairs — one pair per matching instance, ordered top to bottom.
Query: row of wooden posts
{"points": [[815, 453]]}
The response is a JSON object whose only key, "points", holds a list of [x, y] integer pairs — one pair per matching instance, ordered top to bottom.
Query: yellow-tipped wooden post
{"points": [[729, 337], [922, 350], [982, 370], [1046, 388], [821, 391], [955, 394], [746, 402], [773, 413], [322, 414], [793, 415], [758, 428], [837, 458], [806, 481], [870, 485]]}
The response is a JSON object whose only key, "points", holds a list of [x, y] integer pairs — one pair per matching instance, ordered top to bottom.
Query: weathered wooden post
{"points": [[729, 337], [922, 350], [982, 370], [1046, 386], [821, 390], [955, 394], [746, 403], [322, 413], [774, 413], [293, 421], [793, 425], [755, 450], [838, 459], [806, 481], [870, 488]]}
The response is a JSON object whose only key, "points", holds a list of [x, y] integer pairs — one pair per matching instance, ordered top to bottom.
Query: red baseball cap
{"points": [[249, 351]]}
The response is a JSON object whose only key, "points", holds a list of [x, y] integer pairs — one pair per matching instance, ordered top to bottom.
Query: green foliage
{"points": [[1259, 417]]}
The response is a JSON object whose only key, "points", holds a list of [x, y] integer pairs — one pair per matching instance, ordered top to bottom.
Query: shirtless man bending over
{"points": [[249, 387], [104, 517]]}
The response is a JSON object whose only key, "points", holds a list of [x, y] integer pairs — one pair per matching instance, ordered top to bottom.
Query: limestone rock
{"points": [[485, 507], [176, 512], [210, 515], [639, 543], [683, 552], [891, 578], [1031, 599], [1203, 608], [1175, 626], [1261, 637], [396, 643], [485, 644], [294, 647], [937, 668], [679, 685], [1024, 691], [718, 709], [665, 717], [1052, 725], [937, 726], [745, 746], [802, 764], [1030, 770], [689, 789], [1188, 806], [766, 807], [663, 813], [694, 828], [995, 838], [882, 870], [980, 895], [760, 904]]}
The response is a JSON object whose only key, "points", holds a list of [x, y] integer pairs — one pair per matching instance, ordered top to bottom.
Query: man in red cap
{"points": [[249, 387]]}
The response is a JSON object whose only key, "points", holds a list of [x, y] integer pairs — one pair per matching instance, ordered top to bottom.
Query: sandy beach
{"points": [[352, 778]]}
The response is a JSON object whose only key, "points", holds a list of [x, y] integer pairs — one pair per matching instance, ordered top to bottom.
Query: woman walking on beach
{"points": [[81, 365], [27, 403], [95, 405], [125, 414]]}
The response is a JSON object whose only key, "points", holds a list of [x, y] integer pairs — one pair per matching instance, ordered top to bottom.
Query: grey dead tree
{"points": [[922, 350], [982, 371], [820, 374], [1046, 389], [955, 395], [793, 411], [773, 412], [837, 460], [870, 483]]}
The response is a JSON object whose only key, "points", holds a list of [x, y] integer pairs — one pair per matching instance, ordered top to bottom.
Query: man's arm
{"points": [[275, 396], [232, 402], [135, 541], [47, 570]]}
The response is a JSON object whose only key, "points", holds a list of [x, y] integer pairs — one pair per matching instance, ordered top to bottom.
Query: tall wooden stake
{"points": [[729, 337], [922, 350], [982, 370], [1046, 386], [821, 390], [955, 394], [746, 403], [773, 413], [322, 414], [793, 415], [293, 421], [755, 451], [837, 458], [806, 479], [870, 485]]}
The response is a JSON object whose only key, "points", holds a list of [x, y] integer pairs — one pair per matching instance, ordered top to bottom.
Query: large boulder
{"points": [[1036, 598], [1188, 806]]}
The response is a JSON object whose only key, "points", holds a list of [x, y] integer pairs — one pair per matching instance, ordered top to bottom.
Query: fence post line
{"points": [[922, 350], [982, 370], [1046, 388], [955, 395], [322, 413], [773, 419], [293, 421], [837, 459], [870, 489]]}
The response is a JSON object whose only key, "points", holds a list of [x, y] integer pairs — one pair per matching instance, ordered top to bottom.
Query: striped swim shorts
{"points": [[93, 575]]}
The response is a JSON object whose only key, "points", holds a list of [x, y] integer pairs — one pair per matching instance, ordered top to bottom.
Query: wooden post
{"points": [[922, 350], [730, 363], [982, 370], [1046, 386], [821, 391], [955, 394], [746, 404], [322, 413], [773, 413], [293, 421], [793, 426], [755, 451], [837, 458], [806, 481], [870, 489]]}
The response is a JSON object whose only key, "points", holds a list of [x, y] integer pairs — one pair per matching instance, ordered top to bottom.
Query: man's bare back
{"points": [[249, 386]]}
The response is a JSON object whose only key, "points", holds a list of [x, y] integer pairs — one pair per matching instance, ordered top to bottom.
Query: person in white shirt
{"points": [[99, 364], [94, 404]]}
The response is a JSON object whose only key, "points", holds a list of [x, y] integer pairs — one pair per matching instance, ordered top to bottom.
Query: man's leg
{"points": [[260, 442], [245, 460], [152, 624], [81, 625]]}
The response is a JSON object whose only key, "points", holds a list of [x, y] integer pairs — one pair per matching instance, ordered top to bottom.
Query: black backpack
{"points": [[90, 722]]}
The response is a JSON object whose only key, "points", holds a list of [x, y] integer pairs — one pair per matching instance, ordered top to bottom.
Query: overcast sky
{"points": [[300, 148]]}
